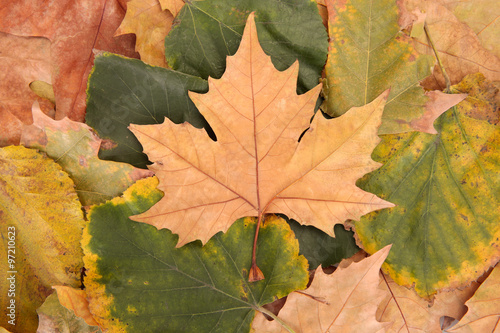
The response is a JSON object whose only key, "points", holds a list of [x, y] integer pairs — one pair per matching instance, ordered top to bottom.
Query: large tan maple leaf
{"points": [[257, 166]]}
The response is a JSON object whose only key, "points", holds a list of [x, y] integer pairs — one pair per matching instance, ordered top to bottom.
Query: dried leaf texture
{"points": [[482, 17], [150, 23], [74, 28], [483, 100], [436, 105], [257, 165], [76, 301], [345, 301], [483, 314]]}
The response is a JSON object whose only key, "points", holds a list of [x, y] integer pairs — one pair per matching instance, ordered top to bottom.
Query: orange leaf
{"points": [[173, 6], [150, 23], [74, 28], [27, 59], [257, 166], [75, 300], [345, 301]]}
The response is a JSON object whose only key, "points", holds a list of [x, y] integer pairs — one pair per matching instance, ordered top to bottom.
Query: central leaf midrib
{"points": [[368, 53], [257, 188]]}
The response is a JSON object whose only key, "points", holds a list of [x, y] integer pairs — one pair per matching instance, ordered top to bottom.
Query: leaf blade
{"points": [[207, 33], [367, 55], [257, 165], [443, 186], [38, 201], [191, 288]]}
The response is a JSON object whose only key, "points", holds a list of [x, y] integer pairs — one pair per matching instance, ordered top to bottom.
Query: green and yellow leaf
{"points": [[367, 55], [444, 229], [137, 278]]}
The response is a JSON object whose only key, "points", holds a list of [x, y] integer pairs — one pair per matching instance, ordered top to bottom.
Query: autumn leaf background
{"points": [[249, 166]]}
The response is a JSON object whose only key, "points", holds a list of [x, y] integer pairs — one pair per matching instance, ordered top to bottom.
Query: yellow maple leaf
{"points": [[257, 165]]}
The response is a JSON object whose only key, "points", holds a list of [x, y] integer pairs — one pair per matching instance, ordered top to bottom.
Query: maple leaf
{"points": [[173, 6], [150, 23], [74, 28], [257, 166], [345, 301], [409, 312], [483, 314]]}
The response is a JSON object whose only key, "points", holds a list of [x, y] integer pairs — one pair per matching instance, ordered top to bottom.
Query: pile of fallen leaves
{"points": [[213, 166]]}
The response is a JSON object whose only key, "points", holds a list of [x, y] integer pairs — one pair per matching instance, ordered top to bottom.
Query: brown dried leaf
{"points": [[74, 28], [458, 46], [257, 166], [345, 301]]}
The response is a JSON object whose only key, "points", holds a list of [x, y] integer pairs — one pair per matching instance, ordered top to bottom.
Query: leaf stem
{"points": [[445, 75], [255, 272], [272, 315]]}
